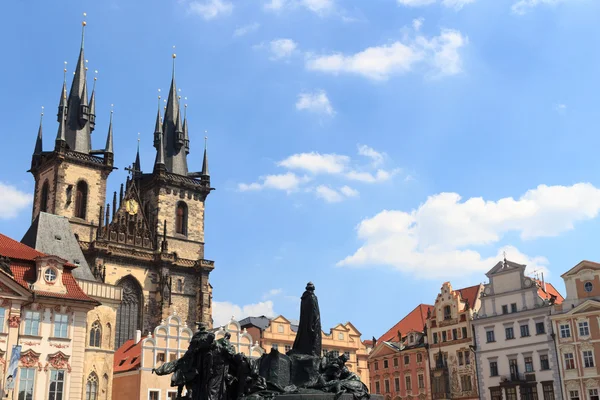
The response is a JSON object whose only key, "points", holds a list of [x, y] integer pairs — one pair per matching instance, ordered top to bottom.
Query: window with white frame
{"points": [[2, 318], [32, 323], [61, 325], [584, 328], [565, 331], [588, 359], [569, 361], [408, 382], [26, 383], [57, 384], [593, 393], [153, 394], [172, 395]]}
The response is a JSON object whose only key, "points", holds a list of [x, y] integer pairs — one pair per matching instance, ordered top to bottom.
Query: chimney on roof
{"points": [[543, 283], [138, 336]]}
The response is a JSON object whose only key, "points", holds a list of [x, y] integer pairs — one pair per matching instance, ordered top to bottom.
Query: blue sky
{"points": [[377, 148]]}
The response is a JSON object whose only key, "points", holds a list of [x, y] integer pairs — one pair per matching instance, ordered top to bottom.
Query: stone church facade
{"points": [[149, 240]]}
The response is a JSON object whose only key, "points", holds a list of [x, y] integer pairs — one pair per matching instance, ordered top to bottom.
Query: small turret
{"points": [[92, 110], [108, 150], [205, 174]]}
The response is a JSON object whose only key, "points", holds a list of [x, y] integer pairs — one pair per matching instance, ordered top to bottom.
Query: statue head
{"points": [[310, 286], [201, 326], [227, 336], [344, 358]]}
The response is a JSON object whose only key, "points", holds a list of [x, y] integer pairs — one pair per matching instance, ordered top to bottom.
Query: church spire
{"points": [[63, 95], [93, 105], [158, 125], [78, 129], [186, 136], [61, 140], [38, 142], [108, 149], [175, 159], [159, 163], [137, 165], [205, 172]]}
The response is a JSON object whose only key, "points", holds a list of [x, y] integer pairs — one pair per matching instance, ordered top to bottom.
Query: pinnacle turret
{"points": [[109, 137], [38, 142], [205, 172]]}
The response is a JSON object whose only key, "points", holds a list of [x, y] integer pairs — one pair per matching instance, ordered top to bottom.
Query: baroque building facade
{"points": [[149, 240], [43, 315], [577, 327], [279, 333], [450, 338], [514, 343], [399, 363]]}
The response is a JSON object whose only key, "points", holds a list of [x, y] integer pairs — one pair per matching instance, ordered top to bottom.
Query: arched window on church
{"points": [[44, 196], [81, 199], [181, 218], [129, 313], [96, 335], [91, 387]]}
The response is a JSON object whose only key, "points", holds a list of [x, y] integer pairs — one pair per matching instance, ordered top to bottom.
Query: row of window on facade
{"points": [[81, 199], [583, 328], [281, 329], [509, 333], [454, 334], [407, 357], [514, 366], [407, 384], [439, 384], [57, 385], [527, 392], [592, 395]]}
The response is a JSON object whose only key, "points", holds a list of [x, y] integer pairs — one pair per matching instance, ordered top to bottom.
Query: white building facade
{"points": [[515, 350]]}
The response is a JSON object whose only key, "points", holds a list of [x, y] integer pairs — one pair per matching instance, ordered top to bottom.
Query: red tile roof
{"points": [[24, 270], [549, 292], [470, 293], [414, 321], [368, 343], [128, 356]]}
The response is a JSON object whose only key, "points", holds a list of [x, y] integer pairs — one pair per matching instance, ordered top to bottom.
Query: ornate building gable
{"points": [[30, 359], [58, 360]]}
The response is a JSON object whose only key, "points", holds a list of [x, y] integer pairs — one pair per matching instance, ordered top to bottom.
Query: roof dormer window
{"points": [[50, 275]]}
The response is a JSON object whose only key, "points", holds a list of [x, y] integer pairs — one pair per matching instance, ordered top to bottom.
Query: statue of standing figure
{"points": [[308, 337], [211, 370]]}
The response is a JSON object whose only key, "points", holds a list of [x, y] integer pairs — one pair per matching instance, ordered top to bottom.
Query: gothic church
{"points": [[150, 239]]}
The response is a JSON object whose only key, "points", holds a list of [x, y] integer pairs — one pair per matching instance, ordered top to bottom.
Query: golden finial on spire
{"points": [[83, 24], [174, 57], [86, 65], [65, 72], [159, 99], [112, 108], [42, 115], [205, 140]]}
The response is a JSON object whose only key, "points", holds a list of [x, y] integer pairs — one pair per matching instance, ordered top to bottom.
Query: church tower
{"points": [[70, 179], [149, 240]]}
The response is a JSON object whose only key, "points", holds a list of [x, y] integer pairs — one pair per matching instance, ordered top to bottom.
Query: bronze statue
{"points": [[308, 337], [211, 370]]}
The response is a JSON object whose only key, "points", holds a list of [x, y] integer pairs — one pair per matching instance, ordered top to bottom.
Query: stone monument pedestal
{"points": [[318, 395]]}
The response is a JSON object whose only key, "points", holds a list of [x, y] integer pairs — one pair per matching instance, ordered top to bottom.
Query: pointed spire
{"points": [[62, 103], [93, 104], [158, 125], [77, 129], [186, 136], [109, 137], [61, 139], [38, 142], [159, 163], [137, 165], [205, 171]]}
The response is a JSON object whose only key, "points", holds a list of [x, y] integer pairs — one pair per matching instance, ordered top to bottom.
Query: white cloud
{"points": [[274, 4], [456, 4], [319, 7], [521, 7], [210, 9], [418, 23], [246, 29], [282, 48], [440, 52], [316, 102], [561, 108], [367, 151], [316, 163], [380, 175], [287, 182], [348, 191], [328, 194], [13, 201], [438, 238], [272, 293], [224, 310]]}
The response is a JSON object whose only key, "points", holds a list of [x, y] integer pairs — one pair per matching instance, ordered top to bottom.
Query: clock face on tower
{"points": [[131, 206]]}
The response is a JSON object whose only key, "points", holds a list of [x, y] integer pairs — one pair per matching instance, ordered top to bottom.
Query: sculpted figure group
{"points": [[212, 370]]}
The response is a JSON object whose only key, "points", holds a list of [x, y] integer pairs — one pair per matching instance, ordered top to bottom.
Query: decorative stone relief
{"points": [[14, 321], [58, 361], [591, 383]]}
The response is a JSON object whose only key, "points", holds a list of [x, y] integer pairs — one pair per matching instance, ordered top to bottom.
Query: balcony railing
{"points": [[517, 378]]}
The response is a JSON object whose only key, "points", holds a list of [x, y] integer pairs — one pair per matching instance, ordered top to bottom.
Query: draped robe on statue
{"points": [[308, 337]]}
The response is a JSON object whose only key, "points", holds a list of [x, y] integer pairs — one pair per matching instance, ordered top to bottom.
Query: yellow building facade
{"points": [[280, 333]]}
